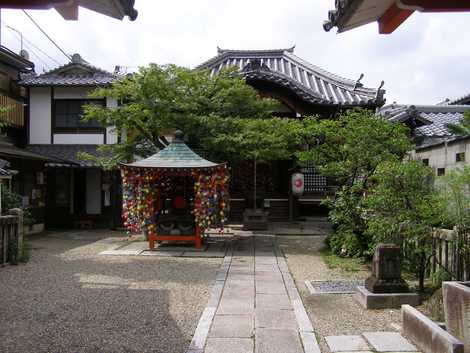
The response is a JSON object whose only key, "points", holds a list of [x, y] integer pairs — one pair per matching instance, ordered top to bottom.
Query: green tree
{"points": [[158, 98], [463, 128], [259, 140], [349, 149], [454, 192], [402, 207]]}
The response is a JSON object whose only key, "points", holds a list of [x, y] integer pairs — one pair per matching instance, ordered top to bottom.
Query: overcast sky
{"points": [[425, 61]]}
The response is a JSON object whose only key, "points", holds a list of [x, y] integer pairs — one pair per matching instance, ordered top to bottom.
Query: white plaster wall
{"points": [[72, 92], [40, 115], [111, 134], [78, 139], [444, 157], [93, 191]]}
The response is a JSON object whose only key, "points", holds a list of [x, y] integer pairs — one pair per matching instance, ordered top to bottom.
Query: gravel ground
{"points": [[69, 299], [331, 314]]}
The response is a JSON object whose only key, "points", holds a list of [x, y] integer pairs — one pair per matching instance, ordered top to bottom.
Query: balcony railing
{"points": [[12, 111]]}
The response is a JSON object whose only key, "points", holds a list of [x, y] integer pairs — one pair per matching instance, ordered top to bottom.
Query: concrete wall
{"points": [[40, 115], [111, 134], [78, 139], [443, 156], [93, 191]]}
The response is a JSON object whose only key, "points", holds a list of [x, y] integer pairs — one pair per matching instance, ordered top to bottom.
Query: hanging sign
{"points": [[298, 184]]}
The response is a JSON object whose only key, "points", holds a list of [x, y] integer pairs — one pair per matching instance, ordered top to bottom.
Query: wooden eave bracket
{"points": [[400, 10]]}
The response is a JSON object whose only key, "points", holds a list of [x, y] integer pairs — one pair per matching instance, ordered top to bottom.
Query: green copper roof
{"points": [[176, 155]]}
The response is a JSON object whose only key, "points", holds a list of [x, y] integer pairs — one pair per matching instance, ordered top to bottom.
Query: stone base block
{"points": [[255, 220], [396, 285], [371, 300], [426, 335]]}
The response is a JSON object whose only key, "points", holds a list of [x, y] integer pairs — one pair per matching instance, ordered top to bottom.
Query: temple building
{"points": [[302, 89]]}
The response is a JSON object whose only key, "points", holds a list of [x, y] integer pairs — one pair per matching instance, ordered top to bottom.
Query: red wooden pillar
{"points": [[152, 238], [198, 239]]}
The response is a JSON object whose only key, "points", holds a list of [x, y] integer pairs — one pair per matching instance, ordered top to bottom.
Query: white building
{"points": [[436, 146], [78, 192]]}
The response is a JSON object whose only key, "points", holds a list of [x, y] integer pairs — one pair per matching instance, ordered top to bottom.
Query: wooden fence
{"points": [[11, 237], [450, 254]]}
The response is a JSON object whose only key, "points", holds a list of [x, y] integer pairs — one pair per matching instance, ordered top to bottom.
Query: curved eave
{"points": [[49, 84], [306, 95], [172, 167]]}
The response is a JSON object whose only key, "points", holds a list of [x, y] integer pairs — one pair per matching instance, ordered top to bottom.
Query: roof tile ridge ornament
{"points": [[77, 60], [255, 65], [380, 92], [179, 137]]}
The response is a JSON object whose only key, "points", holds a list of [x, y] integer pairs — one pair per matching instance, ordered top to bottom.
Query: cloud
{"points": [[423, 62]]}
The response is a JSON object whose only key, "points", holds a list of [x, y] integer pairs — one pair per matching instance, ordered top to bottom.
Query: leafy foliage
{"points": [[159, 98], [463, 128], [349, 150], [454, 192], [11, 200], [402, 207]]}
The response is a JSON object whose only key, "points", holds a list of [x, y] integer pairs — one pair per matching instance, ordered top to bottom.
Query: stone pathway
{"points": [[255, 305], [370, 342]]}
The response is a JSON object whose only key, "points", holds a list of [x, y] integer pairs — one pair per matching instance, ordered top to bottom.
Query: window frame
{"points": [[78, 129], [460, 157]]}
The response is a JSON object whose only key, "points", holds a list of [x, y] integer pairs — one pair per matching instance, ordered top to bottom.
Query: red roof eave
{"points": [[400, 10]]}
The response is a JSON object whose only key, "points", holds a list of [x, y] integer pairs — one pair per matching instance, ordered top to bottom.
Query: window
{"points": [[68, 114], [460, 157], [426, 161], [441, 171]]}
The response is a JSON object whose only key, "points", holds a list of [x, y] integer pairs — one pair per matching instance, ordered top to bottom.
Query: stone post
{"points": [[18, 212], [457, 310]]}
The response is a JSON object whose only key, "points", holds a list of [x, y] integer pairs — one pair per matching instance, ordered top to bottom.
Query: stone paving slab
{"points": [[214, 249], [121, 252], [162, 253], [270, 287], [273, 301], [237, 306], [259, 308], [275, 319], [232, 326], [277, 341], [388, 342], [346, 343], [229, 345]]}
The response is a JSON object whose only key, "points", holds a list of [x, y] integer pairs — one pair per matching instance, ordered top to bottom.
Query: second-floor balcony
{"points": [[11, 111]]}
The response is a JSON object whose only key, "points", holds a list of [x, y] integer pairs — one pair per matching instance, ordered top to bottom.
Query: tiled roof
{"points": [[349, 14], [76, 73], [309, 82], [465, 99], [434, 117], [8, 150], [66, 155], [176, 155]]}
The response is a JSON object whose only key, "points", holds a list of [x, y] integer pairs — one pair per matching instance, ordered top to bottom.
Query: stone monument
{"points": [[386, 271], [385, 288]]}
